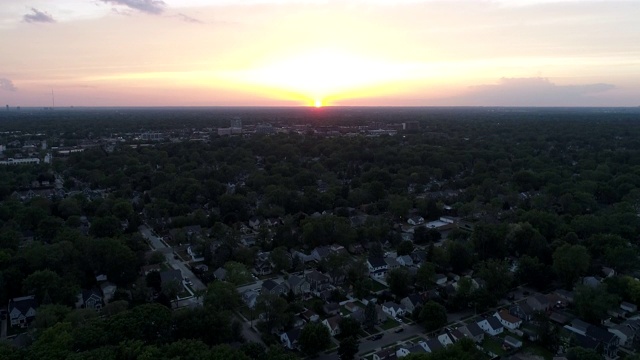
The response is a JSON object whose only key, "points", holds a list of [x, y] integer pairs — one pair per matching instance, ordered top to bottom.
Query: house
{"points": [[415, 220], [254, 222], [320, 253], [418, 257], [304, 258], [405, 260], [392, 263], [262, 267], [377, 267], [144, 270], [608, 272], [220, 274], [316, 279], [441, 279], [591, 281], [298, 285], [272, 287], [108, 291], [565, 295], [250, 297], [90, 299], [411, 302], [539, 302], [351, 306], [628, 307], [331, 308], [393, 309], [22, 310], [522, 310], [310, 316], [558, 318], [507, 320], [333, 324], [491, 326], [473, 331], [624, 333], [456, 335], [594, 337], [290, 338], [444, 339], [608, 341], [512, 342], [431, 345], [408, 350], [385, 354]]}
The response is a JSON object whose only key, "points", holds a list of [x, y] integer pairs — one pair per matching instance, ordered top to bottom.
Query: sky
{"points": [[319, 52]]}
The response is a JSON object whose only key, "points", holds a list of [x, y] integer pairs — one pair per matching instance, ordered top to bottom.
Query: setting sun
{"points": [[318, 103]]}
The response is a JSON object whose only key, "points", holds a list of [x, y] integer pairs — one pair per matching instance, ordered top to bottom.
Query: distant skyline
{"points": [[320, 52]]}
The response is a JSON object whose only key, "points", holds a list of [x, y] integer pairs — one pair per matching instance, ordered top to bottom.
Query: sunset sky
{"points": [[335, 52]]}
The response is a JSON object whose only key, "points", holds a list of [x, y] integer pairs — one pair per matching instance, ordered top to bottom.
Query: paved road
{"points": [[158, 245]]}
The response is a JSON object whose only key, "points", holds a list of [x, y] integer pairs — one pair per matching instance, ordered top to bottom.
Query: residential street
{"points": [[158, 245]]}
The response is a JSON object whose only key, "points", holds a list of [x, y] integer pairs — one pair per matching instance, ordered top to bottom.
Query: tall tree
{"points": [[570, 262], [314, 338], [348, 348]]}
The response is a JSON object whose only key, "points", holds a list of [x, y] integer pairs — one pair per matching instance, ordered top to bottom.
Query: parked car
{"points": [[188, 281], [398, 330]]}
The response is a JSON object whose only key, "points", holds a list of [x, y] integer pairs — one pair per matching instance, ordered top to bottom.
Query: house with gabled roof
{"points": [[405, 260], [377, 267], [316, 279], [298, 285], [272, 287], [90, 299], [412, 301], [539, 302], [393, 309], [22, 310], [522, 311], [507, 320], [333, 324], [491, 326], [473, 331], [624, 333], [290, 338], [431, 345], [406, 349], [385, 354]]}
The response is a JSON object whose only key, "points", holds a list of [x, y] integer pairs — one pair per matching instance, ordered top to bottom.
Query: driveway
{"points": [[158, 245]]}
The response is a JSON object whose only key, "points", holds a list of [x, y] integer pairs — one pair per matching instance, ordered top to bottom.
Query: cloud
{"points": [[147, 6], [38, 17], [188, 19], [7, 85], [534, 91]]}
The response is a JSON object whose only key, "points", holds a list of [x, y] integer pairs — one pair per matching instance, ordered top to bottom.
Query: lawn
{"points": [[377, 286], [389, 324], [493, 346], [537, 350]]}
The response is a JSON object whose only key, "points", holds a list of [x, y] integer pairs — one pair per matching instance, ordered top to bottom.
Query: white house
{"points": [[415, 220], [405, 260], [377, 267], [393, 309], [22, 310], [507, 320], [333, 324], [491, 326], [290, 338], [445, 340], [407, 350]]}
